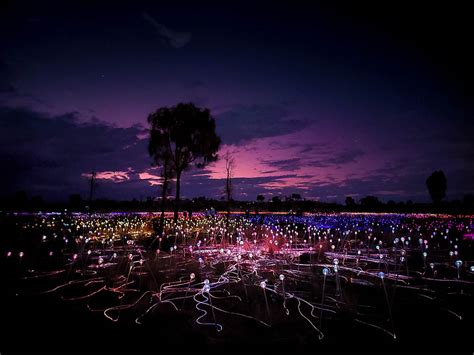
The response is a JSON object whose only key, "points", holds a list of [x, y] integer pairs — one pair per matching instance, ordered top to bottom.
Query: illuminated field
{"points": [[263, 272]]}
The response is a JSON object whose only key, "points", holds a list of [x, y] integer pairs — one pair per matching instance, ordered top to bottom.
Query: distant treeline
{"points": [[291, 204]]}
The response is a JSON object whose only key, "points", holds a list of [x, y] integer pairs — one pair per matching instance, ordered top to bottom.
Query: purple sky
{"points": [[322, 101]]}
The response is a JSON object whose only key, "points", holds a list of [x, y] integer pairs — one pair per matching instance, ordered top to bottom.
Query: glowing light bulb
{"points": [[9, 254], [21, 254], [336, 261], [458, 263], [325, 271], [381, 275], [192, 276], [282, 277], [263, 284]]}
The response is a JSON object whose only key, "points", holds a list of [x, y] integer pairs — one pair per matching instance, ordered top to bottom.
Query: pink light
{"points": [[468, 236]]}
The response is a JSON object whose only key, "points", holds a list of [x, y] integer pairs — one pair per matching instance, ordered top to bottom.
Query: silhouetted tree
{"points": [[186, 135], [229, 168], [167, 174], [92, 186], [437, 186], [296, 197], [260, 198], [20, 199], [276, 199], [75, 201], [37, 202], [350, 202], [370, 202], [468, 202], [276, 203], [391, 205]]}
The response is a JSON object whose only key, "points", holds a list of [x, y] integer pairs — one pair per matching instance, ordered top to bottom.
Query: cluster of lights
{"points": [[339, 246]]}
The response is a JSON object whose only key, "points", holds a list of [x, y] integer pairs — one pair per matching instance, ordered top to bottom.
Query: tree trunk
{"points": [[177, 200], [163, 203]]}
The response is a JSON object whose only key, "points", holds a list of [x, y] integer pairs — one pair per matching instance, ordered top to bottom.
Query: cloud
{"points": [[172, 38], [6, 82], [194, 84], [243, 123], [49, 155], [345, 157], [284, 164], [115, 176]]}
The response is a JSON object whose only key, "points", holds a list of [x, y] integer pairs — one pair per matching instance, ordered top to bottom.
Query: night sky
{"points": [[325, 100]]}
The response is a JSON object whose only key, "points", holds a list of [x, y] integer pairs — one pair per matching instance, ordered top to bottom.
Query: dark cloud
{"points": [[173, 38], [6, 81], [194, 84], [243, 123], [48, 155], [345, 157], [285, 164]]}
